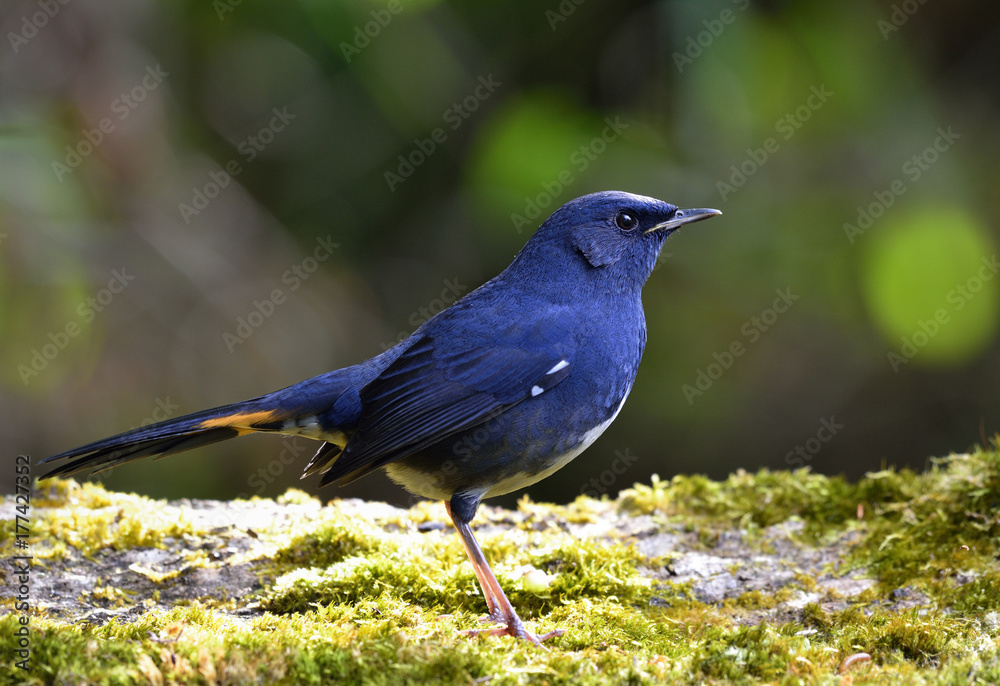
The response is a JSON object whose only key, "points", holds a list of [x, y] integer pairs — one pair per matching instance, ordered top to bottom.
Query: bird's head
{"points": [[616, 234]]}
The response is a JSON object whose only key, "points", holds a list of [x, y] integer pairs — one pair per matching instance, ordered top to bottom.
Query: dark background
{"points": [[828, 110]]}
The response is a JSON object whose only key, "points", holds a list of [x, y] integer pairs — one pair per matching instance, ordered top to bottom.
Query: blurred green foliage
{"points": [[205, 148], [935, 268]]}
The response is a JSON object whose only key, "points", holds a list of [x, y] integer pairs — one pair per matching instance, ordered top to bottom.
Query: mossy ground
{"points": [[355, 593]]}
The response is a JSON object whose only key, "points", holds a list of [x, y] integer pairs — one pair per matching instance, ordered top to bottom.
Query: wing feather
{"points": [[439, 387]]}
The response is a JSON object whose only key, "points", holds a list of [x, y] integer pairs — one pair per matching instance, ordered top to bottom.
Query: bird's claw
{"points": [[513, 628]]}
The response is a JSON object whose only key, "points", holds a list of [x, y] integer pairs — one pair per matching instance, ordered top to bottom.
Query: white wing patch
{"points": [[561, 364], [545, 384]]}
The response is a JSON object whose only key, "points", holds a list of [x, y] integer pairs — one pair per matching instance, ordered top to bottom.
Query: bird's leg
{"points": [[501, 611]]}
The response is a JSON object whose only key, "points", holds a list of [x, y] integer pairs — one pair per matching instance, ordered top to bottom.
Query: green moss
{"points": [[66, 492], [748, 500], [88, 518], [913, 526], [921, 533], [330, 542], [574, 569], [578, 569], [357, 578], [109, 596], [974, 598], [377, 600], [759, 600], [394, 642], [761, 652], [66, 654]]}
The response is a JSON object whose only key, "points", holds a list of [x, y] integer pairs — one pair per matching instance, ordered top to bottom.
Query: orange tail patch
{"points": [[243, 422]]}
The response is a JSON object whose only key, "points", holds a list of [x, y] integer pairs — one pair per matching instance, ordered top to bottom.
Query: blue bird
{"points": [[492, 394]]}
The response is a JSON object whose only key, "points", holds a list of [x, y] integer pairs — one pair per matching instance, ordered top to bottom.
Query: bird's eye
{"points": [[626, 221]]}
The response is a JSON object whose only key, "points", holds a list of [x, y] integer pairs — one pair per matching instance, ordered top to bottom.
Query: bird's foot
{"points": [[512, 627]]}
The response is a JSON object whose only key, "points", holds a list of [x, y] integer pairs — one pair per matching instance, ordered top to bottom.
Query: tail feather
{"points": [[326, 407], [169, 437], [112, 454], [324, 457]]}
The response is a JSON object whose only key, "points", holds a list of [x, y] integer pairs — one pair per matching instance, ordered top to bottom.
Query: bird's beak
{"points": [[682, 217]]}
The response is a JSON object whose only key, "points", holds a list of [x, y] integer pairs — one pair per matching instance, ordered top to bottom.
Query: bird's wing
{"points": [[448, 381]]}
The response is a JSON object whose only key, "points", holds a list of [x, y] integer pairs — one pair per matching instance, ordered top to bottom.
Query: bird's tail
{"points": [[326, 407], [174, 436]]}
